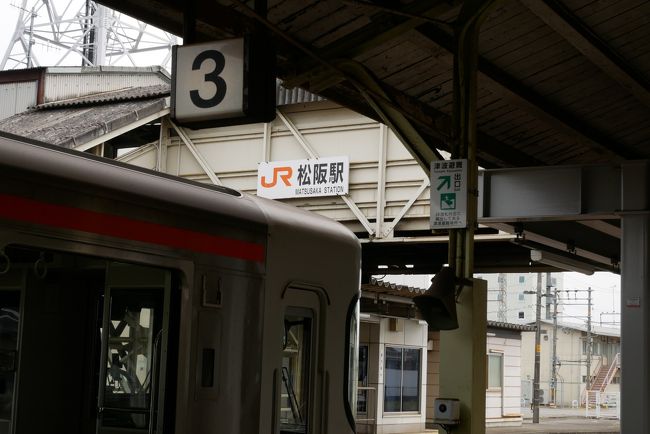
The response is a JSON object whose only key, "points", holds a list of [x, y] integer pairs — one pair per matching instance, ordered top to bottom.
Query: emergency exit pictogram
{"points": [[448, 194]]}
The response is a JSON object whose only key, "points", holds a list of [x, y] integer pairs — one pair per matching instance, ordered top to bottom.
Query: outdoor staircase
{"points": [[602, 379]]}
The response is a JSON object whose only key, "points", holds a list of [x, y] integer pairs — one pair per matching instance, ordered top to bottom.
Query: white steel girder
{"points": [[388, 190]]}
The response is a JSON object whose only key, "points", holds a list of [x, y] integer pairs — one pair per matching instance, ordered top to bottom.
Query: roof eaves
{"points": [[113, 96], [107, 127], [384, 287], [510, 326]]}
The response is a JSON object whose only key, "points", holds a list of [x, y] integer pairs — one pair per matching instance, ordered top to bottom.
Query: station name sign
{"points": [[327, 176], [449, 194]]}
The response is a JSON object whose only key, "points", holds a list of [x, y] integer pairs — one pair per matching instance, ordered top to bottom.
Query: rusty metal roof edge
{"points": [[113, 96]]}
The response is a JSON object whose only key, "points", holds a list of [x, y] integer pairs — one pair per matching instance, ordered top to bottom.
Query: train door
{"points": [[10, 295], [82, 344], [133, 349], [301, 375]]}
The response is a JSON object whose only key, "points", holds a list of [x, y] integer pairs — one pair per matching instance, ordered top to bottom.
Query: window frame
{"points": [[501, 357], [307, 363], [401, 386]]}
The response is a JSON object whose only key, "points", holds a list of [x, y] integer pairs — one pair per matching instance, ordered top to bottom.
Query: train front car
{"points": [[312, 287], [136, 303]]}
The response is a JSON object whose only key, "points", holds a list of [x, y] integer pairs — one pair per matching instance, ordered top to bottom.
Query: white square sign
{"points": [[208, 80], [326, 176], [448, 194]]}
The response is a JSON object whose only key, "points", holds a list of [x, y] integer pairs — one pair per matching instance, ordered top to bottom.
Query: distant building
{"points": [[511, 296], [572, 354], [399, 365], [504, 366]]}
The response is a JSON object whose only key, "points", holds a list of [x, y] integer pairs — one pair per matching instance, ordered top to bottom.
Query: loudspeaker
{"points": [[438, 304], [446, 411]]}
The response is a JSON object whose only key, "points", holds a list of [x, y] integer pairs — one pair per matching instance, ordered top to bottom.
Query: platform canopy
{"points": [[559, 82]]}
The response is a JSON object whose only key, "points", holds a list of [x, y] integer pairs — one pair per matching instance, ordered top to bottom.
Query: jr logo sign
{"points": [[283, 173], [327, 176]]}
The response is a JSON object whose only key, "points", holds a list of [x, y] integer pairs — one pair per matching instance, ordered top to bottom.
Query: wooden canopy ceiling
{"points": [[559, 81]]}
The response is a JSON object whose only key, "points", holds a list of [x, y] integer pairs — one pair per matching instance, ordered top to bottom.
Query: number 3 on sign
{"points": [[212, 77], [208, 81]]}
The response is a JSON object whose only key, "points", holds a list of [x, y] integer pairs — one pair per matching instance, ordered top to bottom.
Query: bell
{"points": [[438, 304]]}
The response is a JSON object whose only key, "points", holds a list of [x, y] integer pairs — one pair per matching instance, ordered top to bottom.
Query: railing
{"points": [[616, 363], [595, 369], [583, 395], [605, 405]]}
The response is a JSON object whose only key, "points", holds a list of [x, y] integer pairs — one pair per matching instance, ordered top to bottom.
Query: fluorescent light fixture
{"points": [[560, 261], [409, 266], [382, 267]]}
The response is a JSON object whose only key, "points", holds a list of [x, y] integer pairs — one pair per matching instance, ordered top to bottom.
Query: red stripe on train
{"points": [[27, 210]]}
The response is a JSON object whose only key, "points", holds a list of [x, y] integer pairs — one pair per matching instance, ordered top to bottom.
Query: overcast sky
{"points": [[8, 17], [49, 54]]}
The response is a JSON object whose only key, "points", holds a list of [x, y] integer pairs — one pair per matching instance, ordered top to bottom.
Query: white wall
{"points": [[377, 334], [503, 405]]}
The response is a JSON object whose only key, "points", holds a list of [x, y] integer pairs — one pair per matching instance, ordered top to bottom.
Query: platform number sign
{"points": [[208, 81], [449, 194]]}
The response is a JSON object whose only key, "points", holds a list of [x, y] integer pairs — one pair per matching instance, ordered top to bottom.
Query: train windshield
{"points": [[352, 343]]}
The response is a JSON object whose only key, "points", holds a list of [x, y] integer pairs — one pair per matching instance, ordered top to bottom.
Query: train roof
{"points": [[74, 166]]}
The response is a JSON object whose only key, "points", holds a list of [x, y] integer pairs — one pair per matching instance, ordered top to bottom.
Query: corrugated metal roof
{"points": [[74, 82], [126, 94], [17, 97], [71, 127], [379, 286]]}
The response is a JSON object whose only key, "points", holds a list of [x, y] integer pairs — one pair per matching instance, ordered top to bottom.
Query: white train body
{"points": [[132, 302]]}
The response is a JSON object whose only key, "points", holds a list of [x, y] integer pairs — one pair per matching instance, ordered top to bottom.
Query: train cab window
{"points": [[352, 362], [296, 364]]}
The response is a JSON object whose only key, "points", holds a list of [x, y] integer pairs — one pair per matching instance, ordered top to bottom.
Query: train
{"points": [[134, 302]]}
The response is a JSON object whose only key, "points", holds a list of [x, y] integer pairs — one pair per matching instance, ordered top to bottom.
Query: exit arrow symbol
{"points": [[444, 180]]}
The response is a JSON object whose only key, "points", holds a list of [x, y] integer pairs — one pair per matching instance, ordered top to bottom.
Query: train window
{"points": [[133, 340], [296, 362], [351, 362]]}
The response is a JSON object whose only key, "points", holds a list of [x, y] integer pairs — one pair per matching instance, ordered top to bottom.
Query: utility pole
{"points": [[502, 312], [547, 313], [589, 339], [538, 349], [554, 359]]}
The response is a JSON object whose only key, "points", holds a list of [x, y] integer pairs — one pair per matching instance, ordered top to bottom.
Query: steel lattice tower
{"points": [[82, 33]]}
